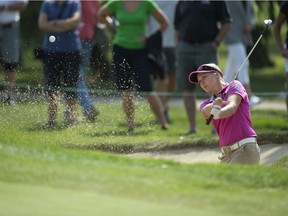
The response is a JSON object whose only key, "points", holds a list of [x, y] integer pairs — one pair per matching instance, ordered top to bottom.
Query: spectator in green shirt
{"points": [[131, 65]]}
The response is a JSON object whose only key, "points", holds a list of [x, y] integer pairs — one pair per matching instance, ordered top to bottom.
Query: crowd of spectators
{"points": [[187, 34]]}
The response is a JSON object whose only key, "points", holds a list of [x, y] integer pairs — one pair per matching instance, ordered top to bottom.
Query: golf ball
{"points": [[268, 21], [52, 39]]}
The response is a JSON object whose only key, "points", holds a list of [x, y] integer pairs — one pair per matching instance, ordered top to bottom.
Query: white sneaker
{"points": [[254, 100]]}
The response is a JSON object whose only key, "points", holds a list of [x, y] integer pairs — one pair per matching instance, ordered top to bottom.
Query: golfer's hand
{"points": [[218, 101], [216, 108], [215, 111]]}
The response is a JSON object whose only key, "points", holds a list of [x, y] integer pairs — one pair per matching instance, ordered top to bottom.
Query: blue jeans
{"points": [[85, 99]]}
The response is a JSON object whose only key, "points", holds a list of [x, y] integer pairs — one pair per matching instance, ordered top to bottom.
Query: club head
{"points": [[267, 21]]}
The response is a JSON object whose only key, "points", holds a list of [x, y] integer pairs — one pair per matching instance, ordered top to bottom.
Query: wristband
{"points": [[216, 106], [215, 111]]}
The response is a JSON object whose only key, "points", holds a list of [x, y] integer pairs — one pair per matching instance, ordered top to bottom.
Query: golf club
{"points": [[267, 22]]}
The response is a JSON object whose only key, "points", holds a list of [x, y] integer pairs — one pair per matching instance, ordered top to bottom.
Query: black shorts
{"points": [[61, 69], [131, 69]]}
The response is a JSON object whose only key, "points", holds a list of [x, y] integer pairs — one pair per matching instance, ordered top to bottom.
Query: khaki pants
{"points": [[246, 154]]}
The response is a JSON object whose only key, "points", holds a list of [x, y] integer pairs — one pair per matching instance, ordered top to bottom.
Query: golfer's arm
{"points": [[231, 106]]}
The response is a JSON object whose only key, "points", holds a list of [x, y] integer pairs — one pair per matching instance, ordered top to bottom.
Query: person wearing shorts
{"points": [[200, 26], [10, 43], [281, 43], [61, 58], [130, 58], [230, 109]]}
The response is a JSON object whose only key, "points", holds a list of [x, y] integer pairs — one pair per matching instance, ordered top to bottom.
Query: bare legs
{"points": [[10, 76], [171, 83], [160, 86], [165, 86], [53, 103], [155, 104], [128, 106], [190, 107], [158, 109], [71, 118]]}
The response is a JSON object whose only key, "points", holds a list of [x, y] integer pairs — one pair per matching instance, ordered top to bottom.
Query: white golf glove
{"points": [[215, 111]]}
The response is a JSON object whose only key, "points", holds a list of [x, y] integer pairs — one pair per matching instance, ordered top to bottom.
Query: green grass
{"points": [[25, 123], [283, 162], [59, 171], [62, 172], [51, 180], [54, 202]]}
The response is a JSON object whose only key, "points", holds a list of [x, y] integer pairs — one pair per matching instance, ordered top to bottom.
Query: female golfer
{"points": [[231, 115]]}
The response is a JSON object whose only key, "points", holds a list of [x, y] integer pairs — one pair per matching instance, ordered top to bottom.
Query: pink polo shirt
{"points": [[89, 13], [238, 126]]}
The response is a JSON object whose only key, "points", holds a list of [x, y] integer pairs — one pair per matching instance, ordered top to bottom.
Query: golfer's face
{"points": [[207, 81]]}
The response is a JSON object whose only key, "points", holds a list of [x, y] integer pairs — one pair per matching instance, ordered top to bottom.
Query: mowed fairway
{"points": [[41, 173], [39, 181], [35, 200]]}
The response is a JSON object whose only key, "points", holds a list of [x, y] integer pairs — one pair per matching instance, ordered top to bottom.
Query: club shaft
{"points": [[251, 51]]}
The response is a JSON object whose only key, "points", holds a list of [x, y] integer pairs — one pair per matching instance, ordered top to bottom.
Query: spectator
{"points": [[89, 11], [198, 35], [238, 38], [281, 43], [10, 45], [129, 54], [62, 59], [167, 85], [231, 115]]}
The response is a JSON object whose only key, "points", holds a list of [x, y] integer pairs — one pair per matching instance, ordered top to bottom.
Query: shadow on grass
{"points": [[47, 127], [140, 129], [120, 133], [271, 137], [111, 148], [124, 148]]}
